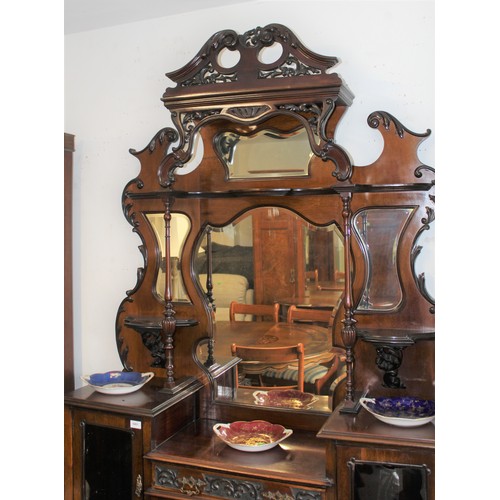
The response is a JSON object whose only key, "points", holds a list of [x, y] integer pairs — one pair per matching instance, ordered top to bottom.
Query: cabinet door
{"points": [[278, 255], [107, 456], [391, 474]]}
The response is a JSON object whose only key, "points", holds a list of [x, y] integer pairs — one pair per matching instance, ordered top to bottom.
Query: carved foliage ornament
{"points": [[295, 60]]}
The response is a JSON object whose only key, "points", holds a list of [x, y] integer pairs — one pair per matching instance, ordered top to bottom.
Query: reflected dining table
{"points": [[317, 340]]}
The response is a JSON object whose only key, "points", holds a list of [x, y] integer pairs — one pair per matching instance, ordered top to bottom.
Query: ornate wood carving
{"points": [[252, 91], [292, 93], [382, 117], [420, 278], [220, 486]]}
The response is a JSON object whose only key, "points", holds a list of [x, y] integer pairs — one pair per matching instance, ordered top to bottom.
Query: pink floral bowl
{"points": [[288, 398], [255, 435]]}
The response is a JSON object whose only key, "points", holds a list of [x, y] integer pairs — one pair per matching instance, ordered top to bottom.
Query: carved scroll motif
{"points": [[296, 60], [291, 67], [209, 75], [248, 112], [378, 117], [420, 278], [231, 488]]}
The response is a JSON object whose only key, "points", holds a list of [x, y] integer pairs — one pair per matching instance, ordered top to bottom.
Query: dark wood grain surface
{"points": [[300, 456]]}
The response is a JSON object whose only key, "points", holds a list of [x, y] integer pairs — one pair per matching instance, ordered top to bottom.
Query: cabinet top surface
{"points": [[147, 401], [365, 428], [301, 455]]}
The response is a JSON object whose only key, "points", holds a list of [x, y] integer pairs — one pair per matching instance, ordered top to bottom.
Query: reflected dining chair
{"points": [[259, 312], [305, 314], [268, 356], [318, 377]]}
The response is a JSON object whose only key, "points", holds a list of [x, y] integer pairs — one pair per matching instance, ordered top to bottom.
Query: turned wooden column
{"points": [[168, 322], [348, 331]]}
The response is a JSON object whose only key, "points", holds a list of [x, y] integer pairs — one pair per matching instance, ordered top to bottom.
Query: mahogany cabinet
{"points": [[162, 434], [106, 437], [368, 459]]}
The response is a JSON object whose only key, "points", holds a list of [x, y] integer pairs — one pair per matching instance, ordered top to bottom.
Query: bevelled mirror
{"points": [[266, 153], [179, 228], [378, 231], [269, 255]]}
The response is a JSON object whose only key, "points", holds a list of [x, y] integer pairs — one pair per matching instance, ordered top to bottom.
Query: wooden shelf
{"points": [[195, 455]]}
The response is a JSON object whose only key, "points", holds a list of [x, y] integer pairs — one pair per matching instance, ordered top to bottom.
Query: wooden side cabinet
{"points": [[107, 436], [107, 454], [369, 459]]}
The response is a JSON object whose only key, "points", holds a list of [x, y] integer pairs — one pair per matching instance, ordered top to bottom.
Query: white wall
{"points": [[114, 79]]}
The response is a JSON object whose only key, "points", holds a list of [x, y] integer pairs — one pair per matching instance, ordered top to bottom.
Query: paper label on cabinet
{"points": [[135, 424]]}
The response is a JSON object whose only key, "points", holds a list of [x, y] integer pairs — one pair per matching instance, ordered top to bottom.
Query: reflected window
{"points": [[265, 154], [179, 229], [379, 231]]}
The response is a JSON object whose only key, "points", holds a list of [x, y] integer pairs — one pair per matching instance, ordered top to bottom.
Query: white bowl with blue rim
{"points": [[117, 382]]}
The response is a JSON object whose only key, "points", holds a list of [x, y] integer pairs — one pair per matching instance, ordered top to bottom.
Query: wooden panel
{"points": [[69, 147], [68, 454], [171, 480]]}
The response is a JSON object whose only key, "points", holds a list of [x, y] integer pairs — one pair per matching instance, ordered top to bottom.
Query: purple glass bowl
{"points": [[405, 411]]}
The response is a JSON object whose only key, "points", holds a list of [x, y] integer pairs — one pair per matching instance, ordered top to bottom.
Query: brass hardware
{"points": [[138, 486], [191, 486]]}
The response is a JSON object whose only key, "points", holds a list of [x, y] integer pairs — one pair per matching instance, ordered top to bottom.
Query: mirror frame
{"points": [[297, 88]]}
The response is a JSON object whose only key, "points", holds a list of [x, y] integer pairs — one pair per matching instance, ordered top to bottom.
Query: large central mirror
{"points": [[271, 255]]}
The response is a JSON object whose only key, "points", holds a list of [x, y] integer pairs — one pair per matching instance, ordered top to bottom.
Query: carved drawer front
{"points": [[211, 484]]}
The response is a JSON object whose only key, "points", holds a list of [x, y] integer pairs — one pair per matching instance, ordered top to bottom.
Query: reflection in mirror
{"points": [[267, 153], [179, 228], [378, 231], [272, 255]]}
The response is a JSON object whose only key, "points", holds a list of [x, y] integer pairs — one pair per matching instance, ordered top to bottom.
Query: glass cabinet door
{"points": [[107, 451], [107, 463], [387, 481]]}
